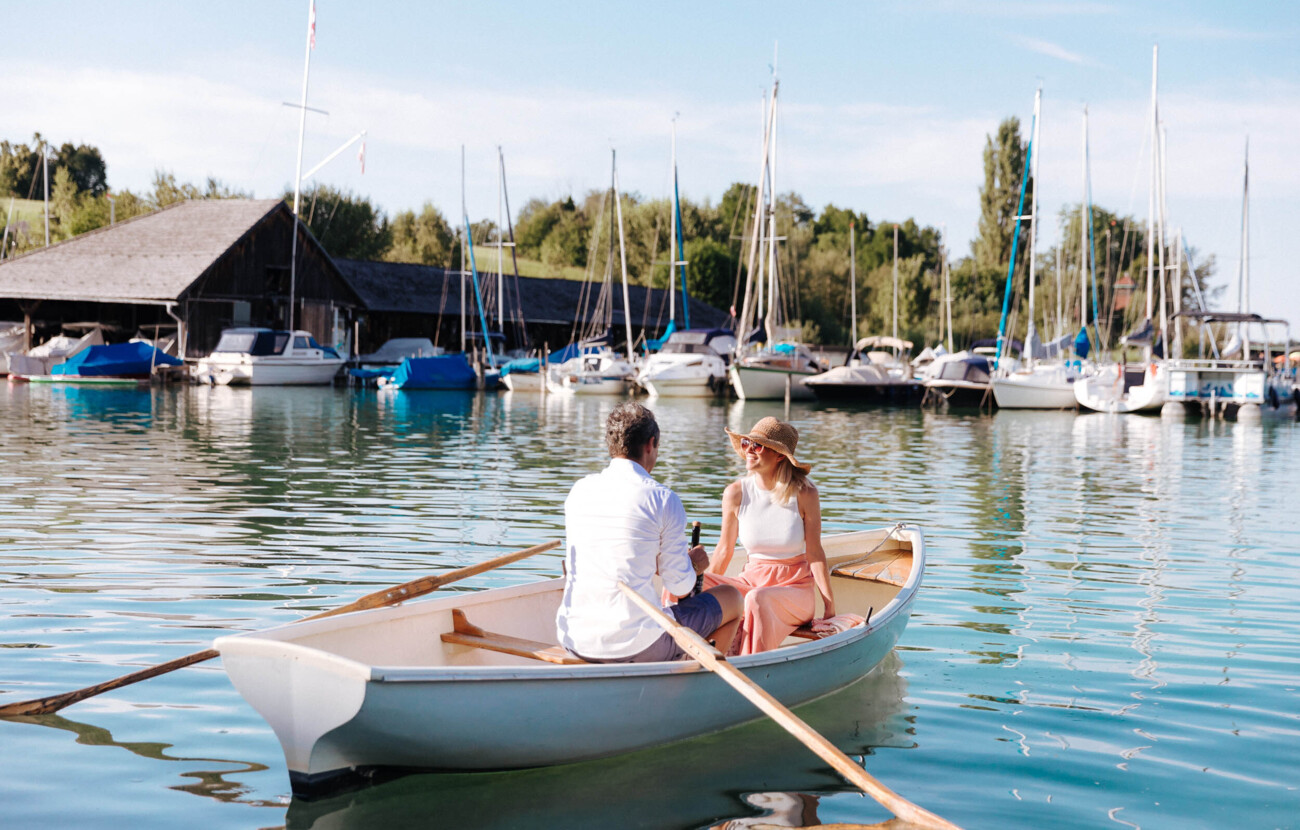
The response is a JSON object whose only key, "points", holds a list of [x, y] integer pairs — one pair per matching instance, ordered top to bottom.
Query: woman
{"points": [[776, 513]]}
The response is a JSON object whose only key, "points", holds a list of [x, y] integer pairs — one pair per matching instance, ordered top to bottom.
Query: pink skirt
{"points": [[780, 596]]}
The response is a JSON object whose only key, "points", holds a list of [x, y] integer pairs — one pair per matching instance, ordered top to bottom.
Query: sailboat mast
{"points": [[297, 175], [1151, 193], [1033, 224], [1083, 229], [672, 240], [464, 242], [501, 252], [622, 256], [1164, 272], [895, 282], [853, 284], [753, 286], [773, 294], [1243, 303]]}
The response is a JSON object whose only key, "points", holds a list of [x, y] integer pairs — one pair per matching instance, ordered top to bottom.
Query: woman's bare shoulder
{"points": [[732, 492]]}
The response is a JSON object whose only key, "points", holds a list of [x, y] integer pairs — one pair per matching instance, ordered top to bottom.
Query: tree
{"points": [[1004, 170], [346, 225], [425, 238], [710, 272]]}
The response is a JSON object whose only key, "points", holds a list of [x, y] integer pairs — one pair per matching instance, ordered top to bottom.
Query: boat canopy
{"points": [[879, 341], [255, 342], [135, 358], [974, 368], [451, 371]]}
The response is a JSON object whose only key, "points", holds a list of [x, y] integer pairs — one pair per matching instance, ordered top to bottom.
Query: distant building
{"points": [[199, 266], [195, 268], [404, 300]]}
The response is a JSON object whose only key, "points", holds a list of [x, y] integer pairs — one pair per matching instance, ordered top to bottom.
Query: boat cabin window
{"points": [[300, 342], [256, 343], [686, 348]]}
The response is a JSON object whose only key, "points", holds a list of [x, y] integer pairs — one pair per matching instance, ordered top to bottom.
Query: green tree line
{"points": [[813, 255]]}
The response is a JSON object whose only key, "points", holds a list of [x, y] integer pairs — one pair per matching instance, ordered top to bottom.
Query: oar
{"points": [[379, 599], [709, 657]]}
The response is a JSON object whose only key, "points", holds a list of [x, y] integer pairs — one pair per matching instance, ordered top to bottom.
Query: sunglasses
{"points": [[747, 445]]}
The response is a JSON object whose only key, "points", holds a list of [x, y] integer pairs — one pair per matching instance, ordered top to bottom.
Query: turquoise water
{"points": [[1105, 635]]}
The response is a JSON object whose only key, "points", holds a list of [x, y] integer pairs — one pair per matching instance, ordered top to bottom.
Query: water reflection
{"points": [[699, 782]]}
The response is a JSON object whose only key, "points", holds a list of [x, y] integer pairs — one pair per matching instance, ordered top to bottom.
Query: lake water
{"points": [[1106, 635]]}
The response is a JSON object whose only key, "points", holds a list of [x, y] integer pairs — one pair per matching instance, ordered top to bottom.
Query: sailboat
{"points": [[688, 363], [770, 363], [596, 369], [878, 370], [1049, 383], [1117, 388]]}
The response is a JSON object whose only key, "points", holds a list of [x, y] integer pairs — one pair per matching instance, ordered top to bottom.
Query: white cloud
{"points": [[1051, 50]]}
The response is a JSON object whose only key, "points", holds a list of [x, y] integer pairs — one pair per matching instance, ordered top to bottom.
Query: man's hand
{"points": [[699, 559]]}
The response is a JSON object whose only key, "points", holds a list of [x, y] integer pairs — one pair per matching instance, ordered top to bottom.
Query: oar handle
{"points": [[695, 540], [379, 599], [713, 660]]}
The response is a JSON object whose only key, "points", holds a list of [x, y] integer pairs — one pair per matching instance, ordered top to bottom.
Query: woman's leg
{"points": [[772, 613]]}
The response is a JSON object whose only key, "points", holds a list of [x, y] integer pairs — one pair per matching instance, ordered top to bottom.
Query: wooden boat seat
{"points": [[891, 567], [466, 633]]}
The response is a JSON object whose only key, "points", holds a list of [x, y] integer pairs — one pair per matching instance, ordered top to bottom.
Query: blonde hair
{"points": [[790, 481]]}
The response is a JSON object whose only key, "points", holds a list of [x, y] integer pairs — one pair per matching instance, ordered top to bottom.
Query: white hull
{"points": [[266, 372], [524, 381], [755, 383], [706, 387], [1033, 391], [1104, 392], [381, 689]]}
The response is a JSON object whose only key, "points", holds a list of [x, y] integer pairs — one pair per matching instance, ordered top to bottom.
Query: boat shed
{"points": [[194, 267], [404, 300]]}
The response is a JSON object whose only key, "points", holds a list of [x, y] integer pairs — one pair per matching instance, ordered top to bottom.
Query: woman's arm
{"points": [[810, 508], [721, 558]]}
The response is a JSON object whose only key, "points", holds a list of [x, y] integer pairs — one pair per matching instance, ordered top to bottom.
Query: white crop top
{"points": [[769, 530]]}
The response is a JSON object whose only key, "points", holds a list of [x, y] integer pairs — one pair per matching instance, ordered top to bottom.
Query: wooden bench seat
{"points": [[891, 567], [466, 633]]}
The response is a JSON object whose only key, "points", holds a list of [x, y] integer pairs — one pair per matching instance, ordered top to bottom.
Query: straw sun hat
{"points": [[775, 435]]}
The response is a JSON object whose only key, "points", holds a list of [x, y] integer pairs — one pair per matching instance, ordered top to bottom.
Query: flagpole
{"points": [[297, 177]]}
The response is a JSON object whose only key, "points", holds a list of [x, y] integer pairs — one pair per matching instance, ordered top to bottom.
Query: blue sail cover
{"points": [[1081, 344], [656, 345], [118, 360], [521, 366], [448, 371]]}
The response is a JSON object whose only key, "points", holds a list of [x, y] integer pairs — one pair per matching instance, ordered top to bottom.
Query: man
{"points": [[623, 526]]}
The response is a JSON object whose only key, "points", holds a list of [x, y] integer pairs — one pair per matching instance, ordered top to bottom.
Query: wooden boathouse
{"points": [[192, 268]]}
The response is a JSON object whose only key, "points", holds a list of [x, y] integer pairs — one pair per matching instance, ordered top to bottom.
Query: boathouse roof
{"points": [[151, 258], [427, 289]]}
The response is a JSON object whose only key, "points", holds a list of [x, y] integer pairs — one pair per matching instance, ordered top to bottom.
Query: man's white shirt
{"points": [[620, 526]]}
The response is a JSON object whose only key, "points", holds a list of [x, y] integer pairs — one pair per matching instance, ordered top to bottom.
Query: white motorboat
{"points": [[266, 357], [40, 360], [690, 365], [877, 371], [775, 372], [599, 373], [962, 380], [1121, 389], [475, 681]]}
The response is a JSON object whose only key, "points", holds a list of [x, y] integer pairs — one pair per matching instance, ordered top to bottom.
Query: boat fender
{"points": [[1272, 397]]}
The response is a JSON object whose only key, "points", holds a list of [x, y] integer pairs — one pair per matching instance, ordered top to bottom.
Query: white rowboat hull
{"points": [[753, 383], [1030, 392], [380, 689]]}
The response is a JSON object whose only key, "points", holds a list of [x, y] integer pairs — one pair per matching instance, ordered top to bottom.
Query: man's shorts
{"points": [[701, 613]]}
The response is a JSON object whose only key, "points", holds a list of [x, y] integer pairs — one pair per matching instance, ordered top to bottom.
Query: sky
{"points": [[884, 106]]}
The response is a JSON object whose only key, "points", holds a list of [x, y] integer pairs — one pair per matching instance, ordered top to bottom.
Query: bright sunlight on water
{"points": [[1105, 635]]}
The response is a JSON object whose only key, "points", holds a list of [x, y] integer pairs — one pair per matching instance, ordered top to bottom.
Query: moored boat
{"points": [[266, 357], [119, 364], [692, 364], [876, 372], [475, 681]]}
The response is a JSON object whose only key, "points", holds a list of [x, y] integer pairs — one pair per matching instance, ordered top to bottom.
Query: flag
{"points": [[311, 26], [361, 157]]}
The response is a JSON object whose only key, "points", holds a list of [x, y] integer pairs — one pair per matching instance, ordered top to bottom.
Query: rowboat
{"points": [[475, 681]]}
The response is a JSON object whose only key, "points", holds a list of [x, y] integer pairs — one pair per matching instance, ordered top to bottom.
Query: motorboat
{"points": [[268, 357], [39, 361], [129, 363], [691, 364], [876, 371], [445, 372], [599, 372], [775, 372], [523, 375], [962, 380], [1240, 382], [1122, 388], [474, 681]]}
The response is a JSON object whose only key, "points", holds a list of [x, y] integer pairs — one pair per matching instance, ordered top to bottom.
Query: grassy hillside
{"points": [[31, 211], [486, 260]]}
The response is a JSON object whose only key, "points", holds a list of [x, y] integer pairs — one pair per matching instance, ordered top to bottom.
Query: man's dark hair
{"points": [[629, 429]]}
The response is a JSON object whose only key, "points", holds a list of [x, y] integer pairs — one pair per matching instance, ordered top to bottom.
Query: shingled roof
{"points": [[150, 258], [419, 289]]}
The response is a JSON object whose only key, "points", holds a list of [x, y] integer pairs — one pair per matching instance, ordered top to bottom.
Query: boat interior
{"points": [[515, 626]]}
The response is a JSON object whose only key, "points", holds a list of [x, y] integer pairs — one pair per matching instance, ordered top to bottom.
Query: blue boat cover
{"points": [[1081, 344], [656, 345], [120, 359], [523, 365], [448, 371], [371, 374]]}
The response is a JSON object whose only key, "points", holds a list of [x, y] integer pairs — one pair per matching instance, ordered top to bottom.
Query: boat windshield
{"points": [[253, 342], [300, 342], [686, 348]]}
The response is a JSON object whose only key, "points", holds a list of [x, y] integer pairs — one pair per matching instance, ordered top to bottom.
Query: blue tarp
{"points": [[1081, 344], [656, 345], [118, 360], [523, 365], [450, 371], [371, 374]]}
